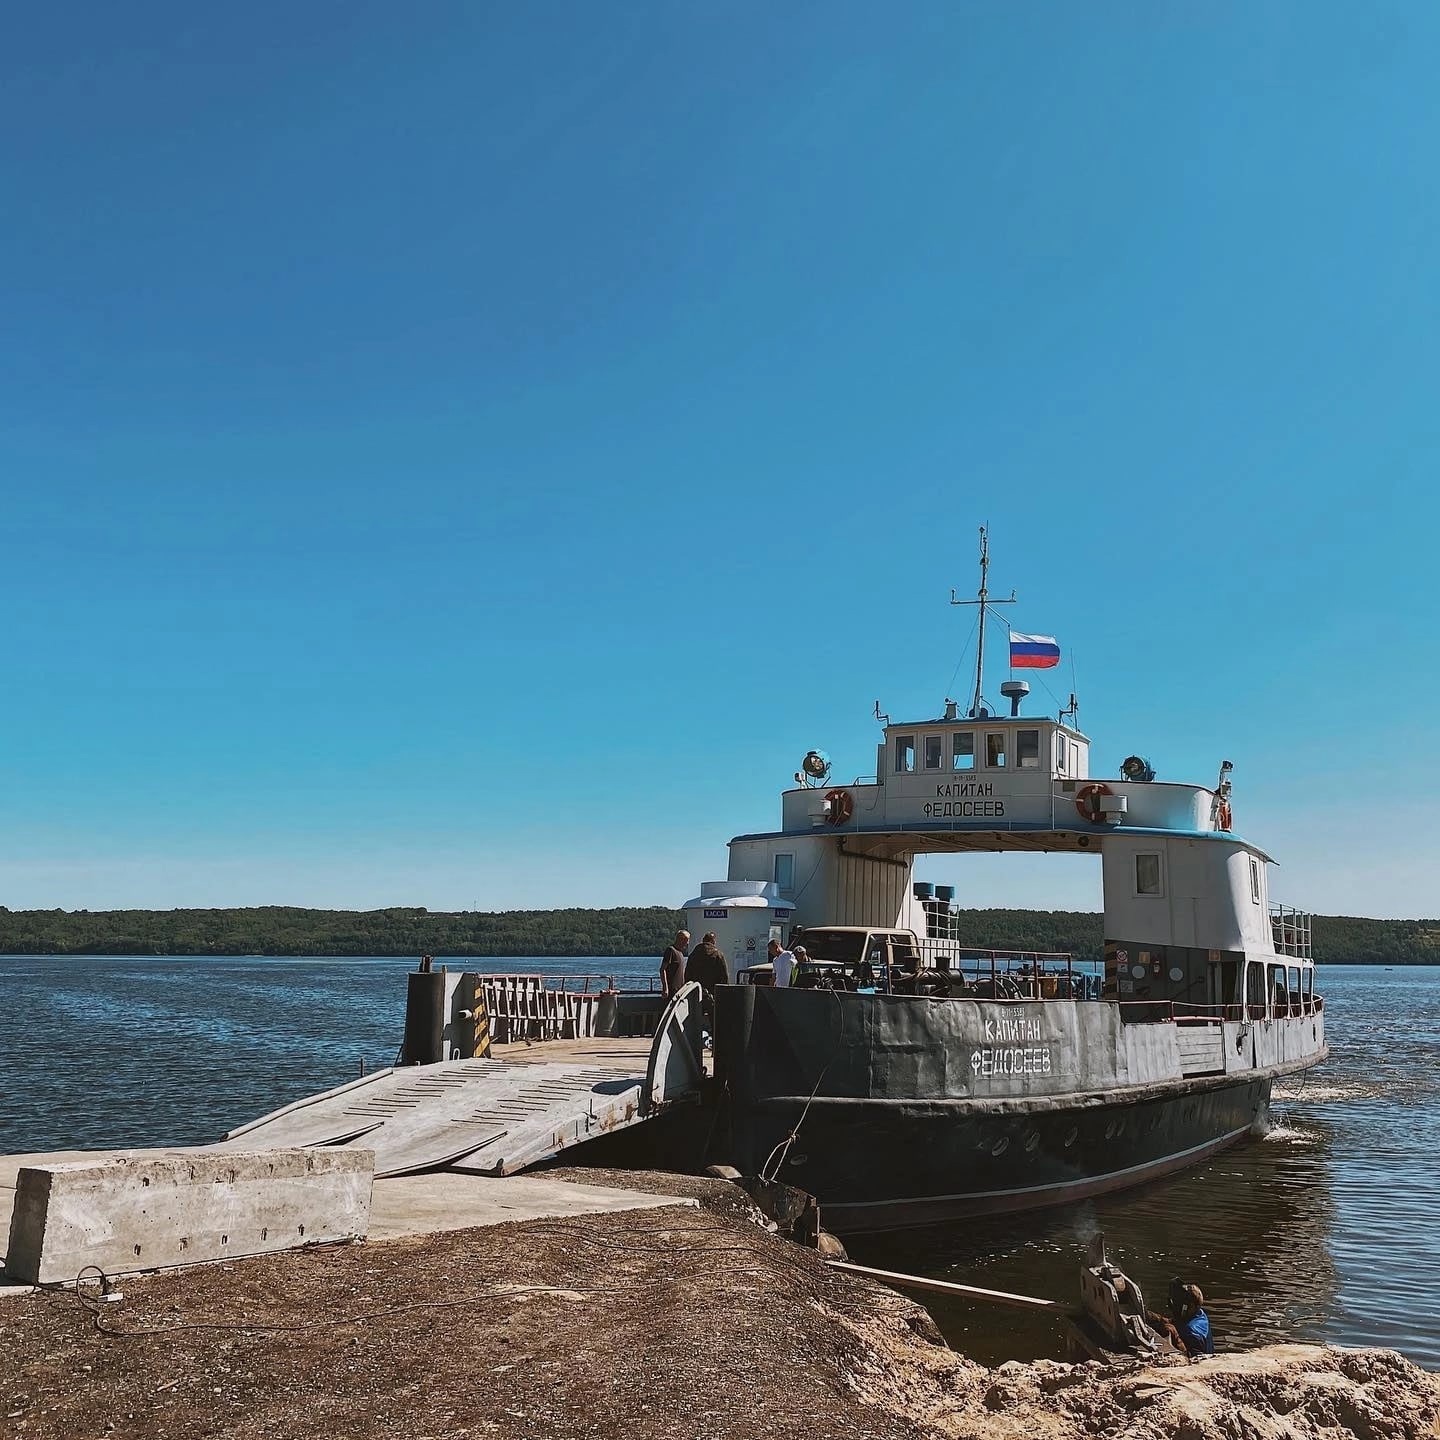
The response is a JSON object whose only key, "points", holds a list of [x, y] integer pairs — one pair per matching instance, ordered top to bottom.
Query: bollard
{"points": [[424, 1042]]}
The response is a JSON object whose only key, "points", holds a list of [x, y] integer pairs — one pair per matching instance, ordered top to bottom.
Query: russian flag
{"points": [[1033, 652]]}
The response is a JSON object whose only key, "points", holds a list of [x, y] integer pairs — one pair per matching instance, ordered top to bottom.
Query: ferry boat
{"points": [[906, 1079]]}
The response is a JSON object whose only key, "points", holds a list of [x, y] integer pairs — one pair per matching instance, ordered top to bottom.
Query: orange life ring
{"points": [[1087, 801], [839, 806], [1223, 816]]}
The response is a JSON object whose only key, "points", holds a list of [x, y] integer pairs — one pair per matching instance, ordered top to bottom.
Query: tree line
{"points": [[537, 934]]}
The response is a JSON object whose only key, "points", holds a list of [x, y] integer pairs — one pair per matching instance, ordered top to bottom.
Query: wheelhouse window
{"points": [[995, 749], [1027, 749], [962, 750], [934, 751], [1060, 753], [904, 754], [785, 872], [1148, 879], [1254, 881]]}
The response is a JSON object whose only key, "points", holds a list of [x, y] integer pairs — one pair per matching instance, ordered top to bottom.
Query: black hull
{"points": [[894, 1164]]}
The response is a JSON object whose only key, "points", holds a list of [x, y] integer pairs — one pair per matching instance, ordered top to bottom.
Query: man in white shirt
{"points": [[783, 962]]}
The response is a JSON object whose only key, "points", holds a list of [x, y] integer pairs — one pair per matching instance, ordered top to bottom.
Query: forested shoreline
{"points": [[285, 930]]}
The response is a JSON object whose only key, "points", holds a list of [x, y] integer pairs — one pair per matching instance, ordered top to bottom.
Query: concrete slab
{"points": [[11, 1165], [429, 1204], [135, 1213]]}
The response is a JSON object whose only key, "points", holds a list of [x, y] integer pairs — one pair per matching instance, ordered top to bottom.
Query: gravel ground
{"points": [[673, 1322], [650, 1323]]}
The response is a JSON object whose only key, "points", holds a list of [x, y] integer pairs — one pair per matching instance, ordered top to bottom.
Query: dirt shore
{"points": [[674, 1323]]}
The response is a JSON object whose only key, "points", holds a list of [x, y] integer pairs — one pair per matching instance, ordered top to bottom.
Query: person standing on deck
{"points": [[782, 961], [672, 965], [707, 965], [708, 968]]}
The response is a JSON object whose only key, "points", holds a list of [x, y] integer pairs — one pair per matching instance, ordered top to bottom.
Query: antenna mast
{"points": [[984, 601]]}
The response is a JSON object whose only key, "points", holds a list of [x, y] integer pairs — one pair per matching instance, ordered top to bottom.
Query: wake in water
{"points": [[1323, 1094], [1292, 1134]]}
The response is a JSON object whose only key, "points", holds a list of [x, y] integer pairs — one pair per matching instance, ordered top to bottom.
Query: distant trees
{"points": [[400, 930]]}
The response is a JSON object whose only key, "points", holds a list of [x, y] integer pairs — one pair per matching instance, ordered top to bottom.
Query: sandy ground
{"points": [[672, 1322]]}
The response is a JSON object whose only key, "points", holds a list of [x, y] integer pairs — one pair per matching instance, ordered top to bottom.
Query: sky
{"points": [[464, 455]]}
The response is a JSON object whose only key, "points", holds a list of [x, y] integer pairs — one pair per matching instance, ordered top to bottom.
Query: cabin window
{"points": [[995, 749], [1027, 749], [962, 750], [934, 751], [1060, 753], [904, 754], [785, 872], [1147, 873], [1254, 881], [1255, 990]]}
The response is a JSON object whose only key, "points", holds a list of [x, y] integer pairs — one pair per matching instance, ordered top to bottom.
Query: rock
{"points": [[922, 1323], [1000, 1396]]}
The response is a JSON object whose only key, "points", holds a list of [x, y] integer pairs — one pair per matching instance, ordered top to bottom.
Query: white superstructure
{"points": [[1188, 915]]}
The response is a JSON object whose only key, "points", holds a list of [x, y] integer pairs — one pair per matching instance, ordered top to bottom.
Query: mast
{"points": [[984, 601], [980, 646]]}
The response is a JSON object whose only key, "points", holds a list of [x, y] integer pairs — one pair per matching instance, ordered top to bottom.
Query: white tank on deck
{"points": [[744, 914]]}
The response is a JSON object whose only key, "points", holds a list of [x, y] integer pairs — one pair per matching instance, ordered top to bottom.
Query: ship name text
{"points": [[964, 800], [1012, 1030], [1031, 1060]]}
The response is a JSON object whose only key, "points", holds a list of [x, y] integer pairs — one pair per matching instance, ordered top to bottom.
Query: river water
{"points": [[1328, 1229]]}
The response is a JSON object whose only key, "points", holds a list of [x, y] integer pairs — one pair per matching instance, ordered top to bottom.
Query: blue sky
{"points": [[465, 455]]}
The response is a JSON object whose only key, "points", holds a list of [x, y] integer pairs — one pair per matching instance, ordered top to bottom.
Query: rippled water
{"points": [[120, 1050], [1328, 1229], [1325, 1230]]}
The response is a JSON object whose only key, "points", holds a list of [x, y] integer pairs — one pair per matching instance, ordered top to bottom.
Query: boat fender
{"points": [[1087, 801], [839, 806]]}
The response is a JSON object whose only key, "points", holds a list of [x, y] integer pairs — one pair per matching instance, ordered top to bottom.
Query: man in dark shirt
{"points": [[672, 965], [707, 965], [708, 968]]}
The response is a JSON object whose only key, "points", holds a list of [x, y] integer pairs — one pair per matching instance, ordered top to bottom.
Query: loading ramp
{"points": [[493, 1117]]}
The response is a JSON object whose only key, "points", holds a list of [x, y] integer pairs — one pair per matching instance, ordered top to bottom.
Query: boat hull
{"points": [[898, 1111], [885, 1165]]}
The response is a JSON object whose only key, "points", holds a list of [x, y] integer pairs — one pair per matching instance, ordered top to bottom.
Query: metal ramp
{"points": [[491, 1117]]}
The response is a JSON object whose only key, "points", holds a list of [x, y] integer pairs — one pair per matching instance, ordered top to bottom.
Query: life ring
{"points": [[1087, 801], [839, 806], [1223, 816]]}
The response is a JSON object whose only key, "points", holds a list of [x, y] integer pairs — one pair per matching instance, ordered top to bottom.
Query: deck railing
{"points": [[1290, 930], [1036, 974], [542, 1007], [1134, 1012]]}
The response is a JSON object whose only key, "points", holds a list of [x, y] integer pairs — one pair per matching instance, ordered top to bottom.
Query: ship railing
{"points": [[1290, 929], [1035, 974], [544, 1007], [1140, 1012]]}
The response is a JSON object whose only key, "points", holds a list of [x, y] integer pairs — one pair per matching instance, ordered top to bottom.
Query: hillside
{"points": [[285, 930]]}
